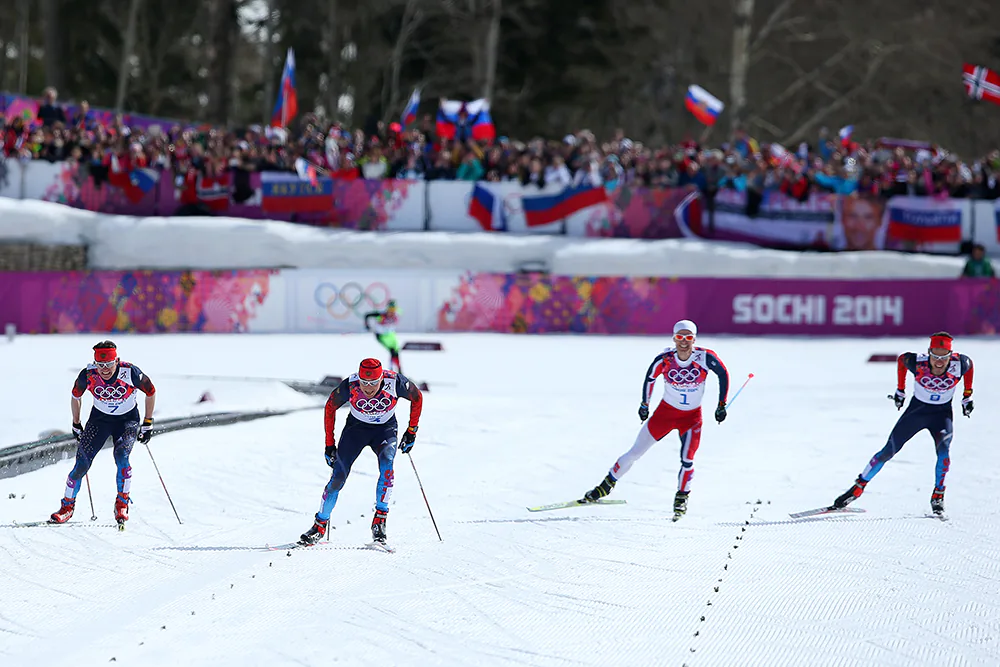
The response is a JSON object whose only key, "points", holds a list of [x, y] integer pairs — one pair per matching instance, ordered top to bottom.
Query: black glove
{"points": [[899, 398], [967, 406], [643, 411], [720, 412], [77, 431], [145, 431], [406, 442], [330, 452]]}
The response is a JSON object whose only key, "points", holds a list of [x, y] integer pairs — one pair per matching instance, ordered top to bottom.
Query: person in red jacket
{"points": [[372, 394]]}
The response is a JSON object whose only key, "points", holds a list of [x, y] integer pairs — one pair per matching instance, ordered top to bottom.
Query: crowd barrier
{"points": [[823, 222], [335, 301]]}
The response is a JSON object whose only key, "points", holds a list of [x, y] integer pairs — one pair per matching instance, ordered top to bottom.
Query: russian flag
{"points": [[287, 104], [705, 106], [410, 112], [477, 113], [845, 133], [283, 192], [481, 206], [544, 209], [925, 222]]}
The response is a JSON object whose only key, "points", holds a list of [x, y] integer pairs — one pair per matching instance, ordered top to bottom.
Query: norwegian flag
{"points": [[981, 83]]}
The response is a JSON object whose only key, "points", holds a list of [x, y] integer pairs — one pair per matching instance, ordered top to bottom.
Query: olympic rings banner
{"points": [[336, 301]]}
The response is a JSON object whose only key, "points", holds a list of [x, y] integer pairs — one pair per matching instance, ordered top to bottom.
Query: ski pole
{"points": [[733, 399], [163, 483], [420, 484], [93, 514]]}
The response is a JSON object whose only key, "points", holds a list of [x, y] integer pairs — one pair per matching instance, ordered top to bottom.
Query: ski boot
{"points": [[601, 490], [852, 494], [937, 502], [680, 504], [121, 510], [65, 511], [378, 526], [314, 534]]}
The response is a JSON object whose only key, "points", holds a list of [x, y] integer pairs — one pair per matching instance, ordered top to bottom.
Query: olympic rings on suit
{"points": [[352, 298], [684, 375], [937, 384], [112, 393], [374, 404]]}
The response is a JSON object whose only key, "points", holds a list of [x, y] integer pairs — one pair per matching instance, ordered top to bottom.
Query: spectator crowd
{"points": [[830, 163]]}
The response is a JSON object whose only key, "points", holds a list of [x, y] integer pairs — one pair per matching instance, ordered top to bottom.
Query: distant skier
{"points": [[383, 325], [684, 370], [936, 375], [371, 394], [115, 414]]}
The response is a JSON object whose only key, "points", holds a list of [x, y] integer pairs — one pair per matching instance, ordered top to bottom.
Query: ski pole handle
{"points": [[733, 399]]}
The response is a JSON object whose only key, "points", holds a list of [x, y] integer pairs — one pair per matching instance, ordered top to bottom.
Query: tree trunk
{"points": [[23, 14], [411, 19], [742, 22], [53, 45], [129, 46], [492, 47], [270, 49], [332, 61], [222, 63]]}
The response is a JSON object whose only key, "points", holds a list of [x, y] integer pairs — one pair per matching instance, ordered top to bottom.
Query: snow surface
{"points": [[124, 242], [509, 422]]}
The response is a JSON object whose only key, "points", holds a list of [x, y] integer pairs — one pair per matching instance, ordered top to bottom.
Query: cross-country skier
{"points": [[384, 328], [685, 370], [936, 375], [114, 384], [371, 394]]}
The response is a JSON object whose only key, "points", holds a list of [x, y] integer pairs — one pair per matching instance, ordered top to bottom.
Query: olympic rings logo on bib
{"points": [[341, 302], [684, 376], [937, 383], [115, 393], [374, 404]]}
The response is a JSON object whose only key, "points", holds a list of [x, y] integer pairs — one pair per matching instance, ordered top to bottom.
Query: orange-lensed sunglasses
{"points": [[687, 337]]}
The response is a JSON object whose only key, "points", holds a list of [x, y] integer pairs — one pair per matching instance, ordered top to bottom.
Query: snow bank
{"points": [[124, 242]]}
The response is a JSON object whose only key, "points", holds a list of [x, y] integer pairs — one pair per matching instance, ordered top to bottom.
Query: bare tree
{"points": [[413, 16], [742, 19], [53, 43], [491, 48], [124, 69]]}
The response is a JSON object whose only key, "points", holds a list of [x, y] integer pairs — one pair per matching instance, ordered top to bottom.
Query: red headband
{"points": [[941, 341], [105, 354]]}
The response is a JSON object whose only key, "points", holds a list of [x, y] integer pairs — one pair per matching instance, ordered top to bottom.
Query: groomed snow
{"points": [[123, 242], [508, 422]]}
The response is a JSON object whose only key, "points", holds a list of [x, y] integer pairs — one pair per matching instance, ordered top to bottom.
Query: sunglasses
{"points": [[687, 337], [939, 357], [105, 364], [369, 383]]}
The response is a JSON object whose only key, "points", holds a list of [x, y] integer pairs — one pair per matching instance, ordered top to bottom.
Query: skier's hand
{"points": [[899, 398], [967, 406], [643, 412], [720, 412], [77, 431], [145, 431], [406, 442], [330, 452]]}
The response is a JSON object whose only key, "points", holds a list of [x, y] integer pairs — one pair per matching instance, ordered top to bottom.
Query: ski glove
{"points": [[899, 398], [967, 406], [643, 412], [720, 412], [77, 431], [145, 431], [406, 442], [330, 452]]}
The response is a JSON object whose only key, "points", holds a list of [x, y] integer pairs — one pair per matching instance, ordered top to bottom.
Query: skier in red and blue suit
{"points": [[936, 376]]}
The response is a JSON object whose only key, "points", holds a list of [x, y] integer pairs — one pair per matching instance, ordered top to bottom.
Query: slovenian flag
{"points": [[287, 104], [705, 106], [410, 112], [477, 112], [544, 209]]}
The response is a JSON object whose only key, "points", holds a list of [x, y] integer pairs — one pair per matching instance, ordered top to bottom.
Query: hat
{"points": [[395, 127], [686, 324], [941, 339], [105, 351], [370, 369]]}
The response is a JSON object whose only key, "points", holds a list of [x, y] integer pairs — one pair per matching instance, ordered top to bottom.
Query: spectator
{"points": [[50, 113], [471, 169], [978, 266]]}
